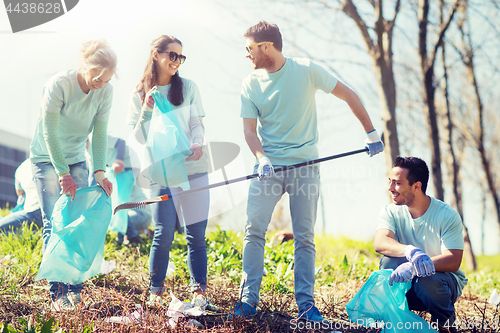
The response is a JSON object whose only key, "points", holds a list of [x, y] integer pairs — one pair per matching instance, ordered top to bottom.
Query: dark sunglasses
{"points": [[174, 56]]}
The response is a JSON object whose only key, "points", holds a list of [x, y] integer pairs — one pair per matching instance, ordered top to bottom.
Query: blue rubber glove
{"points": [[373, 143], [265, 169], [421, 262], [403, 273]]}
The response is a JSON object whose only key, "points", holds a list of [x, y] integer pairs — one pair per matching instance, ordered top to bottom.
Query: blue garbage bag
{"points": [[168, 146], [123, 184], [19, 204], [74, 252], [378, 305]]}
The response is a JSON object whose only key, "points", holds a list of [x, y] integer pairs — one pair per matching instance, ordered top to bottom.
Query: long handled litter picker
{"points": [[141, 204]]}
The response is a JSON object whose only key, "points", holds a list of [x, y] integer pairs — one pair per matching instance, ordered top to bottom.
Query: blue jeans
{"points": [[302, 185], [49, 191], [192, 212], [15, 220], [137, 220], [436, 293]]}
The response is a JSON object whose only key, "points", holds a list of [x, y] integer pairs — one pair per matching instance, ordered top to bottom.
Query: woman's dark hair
{"points": [[265, 32], [150, 77], [417, 170]]}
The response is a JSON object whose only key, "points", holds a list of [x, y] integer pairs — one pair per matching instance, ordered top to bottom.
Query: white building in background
{"points": [[14, 149]]}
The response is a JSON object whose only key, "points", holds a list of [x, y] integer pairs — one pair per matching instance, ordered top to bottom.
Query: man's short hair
{"points": [[265, 32], [417, 170]]}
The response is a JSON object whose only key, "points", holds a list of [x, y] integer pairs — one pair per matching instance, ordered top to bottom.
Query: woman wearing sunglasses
{"points": [[162, 74], [74, 104]]}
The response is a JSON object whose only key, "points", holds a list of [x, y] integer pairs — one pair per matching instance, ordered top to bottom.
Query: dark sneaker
{"points": [[135, 240], [75, 298], [204, 303], [62, 304], [210, 306], [242, 309], [311, 313]]}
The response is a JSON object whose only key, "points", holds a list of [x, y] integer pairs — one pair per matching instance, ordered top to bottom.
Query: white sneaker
{"points": [[155, 300], [62, 304]]}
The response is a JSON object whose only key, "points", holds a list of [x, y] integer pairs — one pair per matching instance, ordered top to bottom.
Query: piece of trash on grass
{"points": [[8, 260], [107, 266], [170, 269], [494, 298], [178, 309], [132, 318], [195, 323]]}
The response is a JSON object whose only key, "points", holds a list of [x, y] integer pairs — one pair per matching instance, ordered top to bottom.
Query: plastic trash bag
{"points": [[160, 158], [123, 183], [19, 204], [74, 252], [494, 298], [378, 305], [179, 309], [134, 317]]}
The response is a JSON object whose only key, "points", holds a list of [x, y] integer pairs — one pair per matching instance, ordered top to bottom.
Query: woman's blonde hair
{"points": [[97, 54]]}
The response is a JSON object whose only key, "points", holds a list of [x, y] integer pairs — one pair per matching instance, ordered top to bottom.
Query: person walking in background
{"points": [[162, 75], [280, 96], [74, 104], [118, 161], [30, 212], [421, 238]]}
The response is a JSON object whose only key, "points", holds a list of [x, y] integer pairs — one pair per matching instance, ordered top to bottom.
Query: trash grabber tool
{"points": [[141, 204]]}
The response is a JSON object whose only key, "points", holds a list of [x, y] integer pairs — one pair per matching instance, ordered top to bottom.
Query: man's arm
{"points": [[346, 94], [250, 130], [19, 192], [386, 245], [448, 261]]}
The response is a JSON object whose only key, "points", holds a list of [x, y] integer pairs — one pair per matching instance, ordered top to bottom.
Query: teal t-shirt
{"points": [[284, 103], [78, 113], [112, 153], [439, 229]]}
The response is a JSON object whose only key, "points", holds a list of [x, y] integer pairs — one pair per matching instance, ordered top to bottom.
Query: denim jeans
{"points": [[302, 185], [49, 191], [192, 213], [15, 220], [137, 220], [436, 293]]}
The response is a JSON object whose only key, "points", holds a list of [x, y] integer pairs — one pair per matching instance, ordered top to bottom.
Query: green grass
{"points": [[25, 250], [488, 262], [342, 266], [485, 278]]}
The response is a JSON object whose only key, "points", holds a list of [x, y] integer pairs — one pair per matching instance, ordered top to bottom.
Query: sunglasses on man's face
{"points": [[249, 50], [174, 56]]}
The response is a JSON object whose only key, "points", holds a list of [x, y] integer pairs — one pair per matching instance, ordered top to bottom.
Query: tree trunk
{"points": [[380, 51], [468, 60], [429, 89], [387, 93], [432, 122], [480, 141], [454, 167]]}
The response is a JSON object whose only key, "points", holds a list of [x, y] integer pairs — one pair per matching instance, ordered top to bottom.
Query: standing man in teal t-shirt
{"points": [[280, 96], [420, 237]]}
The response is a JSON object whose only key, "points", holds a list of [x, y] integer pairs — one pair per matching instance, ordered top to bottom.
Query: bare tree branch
{"points": [[350, 9], [391, 23], [444, 27]]}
